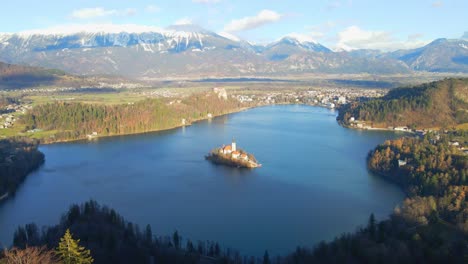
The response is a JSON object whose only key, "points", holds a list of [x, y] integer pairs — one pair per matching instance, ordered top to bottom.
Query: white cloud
{"points": [[206, 1], [437, 4], [152, 9], [97, 12], [129, 12], [262, 18], [184, 21], [415, 36], [354, 37]]}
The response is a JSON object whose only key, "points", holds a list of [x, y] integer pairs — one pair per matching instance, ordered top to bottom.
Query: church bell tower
{"points": [[233, 145]]}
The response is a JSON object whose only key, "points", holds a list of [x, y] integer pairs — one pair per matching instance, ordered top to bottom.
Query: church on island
{"points": [[232, 150], [230, 155]]}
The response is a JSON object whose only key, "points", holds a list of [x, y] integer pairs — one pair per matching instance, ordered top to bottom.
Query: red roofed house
{"points": [[227, 149], [235, 154], [244, 156]]}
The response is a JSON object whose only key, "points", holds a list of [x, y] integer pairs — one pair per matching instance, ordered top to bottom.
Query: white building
{"points": [[233, 145], [235, 154]]}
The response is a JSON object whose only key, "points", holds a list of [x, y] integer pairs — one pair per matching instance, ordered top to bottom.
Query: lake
{"points": [[313, 185]]}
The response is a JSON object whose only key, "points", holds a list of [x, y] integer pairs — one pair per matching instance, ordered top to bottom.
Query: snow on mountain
{"points": [[176, 38], [299, 41], [177, 50]]}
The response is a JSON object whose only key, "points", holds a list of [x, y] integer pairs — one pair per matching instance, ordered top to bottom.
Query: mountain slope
{"points": [[288, 46], [441, 55], [14, 76], [437, 104]]}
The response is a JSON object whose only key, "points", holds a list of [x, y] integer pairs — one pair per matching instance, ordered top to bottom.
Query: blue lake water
{"points": [[313, 184]]}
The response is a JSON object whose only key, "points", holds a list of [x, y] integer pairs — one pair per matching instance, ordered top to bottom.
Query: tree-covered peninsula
{"points": [[71, 121], [18, 157], [423, 166]]}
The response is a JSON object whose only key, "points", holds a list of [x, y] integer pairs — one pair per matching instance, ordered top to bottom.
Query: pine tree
{"points": [[372, 225], [176, 239], [70, 252], [266, 258]]}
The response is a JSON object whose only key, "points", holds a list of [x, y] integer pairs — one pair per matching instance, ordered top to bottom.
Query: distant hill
{"points": [[12, 76], [437, 104]]}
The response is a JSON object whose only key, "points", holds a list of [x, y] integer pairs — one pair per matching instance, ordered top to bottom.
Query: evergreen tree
{"points": [[372, 225], [148, 234], [176, 239], [70, 252], [266, 258]]}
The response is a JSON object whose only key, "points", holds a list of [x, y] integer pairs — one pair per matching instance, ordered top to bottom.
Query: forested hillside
{"points": [[14, 76], [437, 104], [76, 120], [18, 157], [426, 166], [112, 239]]}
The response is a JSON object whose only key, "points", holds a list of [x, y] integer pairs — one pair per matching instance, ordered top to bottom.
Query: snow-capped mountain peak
{"points": [[176, 38], [300, 38], [300, 41]]}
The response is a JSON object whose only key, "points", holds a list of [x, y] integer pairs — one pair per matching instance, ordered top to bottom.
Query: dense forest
{"points": [[437, 104], [76, 120], [18, 157], [423, 166], [418, 232], [112, 239]]}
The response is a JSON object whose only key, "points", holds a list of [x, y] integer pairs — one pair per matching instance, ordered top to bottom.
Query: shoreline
{"points": [[214, 116], [174, 127], [373, 128], [149, 131], [388, 178]]}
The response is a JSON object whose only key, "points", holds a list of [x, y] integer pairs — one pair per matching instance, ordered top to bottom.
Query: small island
{"points": [[231, 156]]}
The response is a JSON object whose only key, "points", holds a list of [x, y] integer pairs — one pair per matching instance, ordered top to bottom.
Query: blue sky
{"points": [[346, 24]]}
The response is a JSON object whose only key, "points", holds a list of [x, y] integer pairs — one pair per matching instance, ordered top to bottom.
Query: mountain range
{"points": [[191, 51]]}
